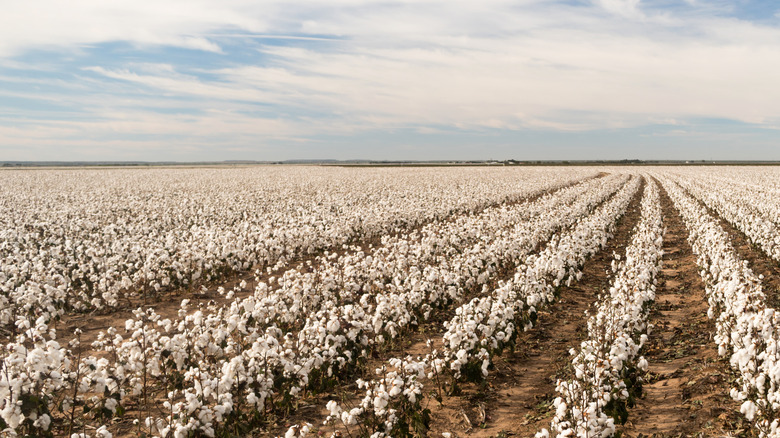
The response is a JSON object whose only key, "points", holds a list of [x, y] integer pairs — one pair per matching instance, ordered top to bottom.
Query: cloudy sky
{"points": [[192, 80]]}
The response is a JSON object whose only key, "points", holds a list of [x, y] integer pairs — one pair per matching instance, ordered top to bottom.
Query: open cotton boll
{"points": [[749, 409]]}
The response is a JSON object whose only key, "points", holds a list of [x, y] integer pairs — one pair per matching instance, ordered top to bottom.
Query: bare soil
{"points": [[686, 392]]}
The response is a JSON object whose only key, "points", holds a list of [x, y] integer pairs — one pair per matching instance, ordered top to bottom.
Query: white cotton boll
{"points": [[642, 364], [760, 381], [380, 402], [111, 404], [748, 409], [12, 415], [348, 419], [43, 422]]}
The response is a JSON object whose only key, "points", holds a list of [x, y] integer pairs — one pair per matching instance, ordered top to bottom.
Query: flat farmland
{"points": [[390, 302]]}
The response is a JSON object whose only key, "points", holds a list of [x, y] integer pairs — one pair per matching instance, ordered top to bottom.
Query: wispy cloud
{"points": [[626, 8]]}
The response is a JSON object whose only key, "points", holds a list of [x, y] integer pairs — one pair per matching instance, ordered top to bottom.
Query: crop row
{"points": [[756, 187], [740, 207], [434, 265], [746, 329], [343, 333], [607, 367]]}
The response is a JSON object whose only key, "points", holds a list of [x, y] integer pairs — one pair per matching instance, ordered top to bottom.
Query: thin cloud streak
{"points": [[269, 37]]}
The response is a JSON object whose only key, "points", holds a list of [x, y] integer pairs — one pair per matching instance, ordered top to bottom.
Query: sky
{"points": [[206, 80]]}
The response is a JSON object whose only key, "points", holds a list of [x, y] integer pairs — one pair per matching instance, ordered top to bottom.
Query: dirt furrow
{"points": [[686, 393], [517, 398]]}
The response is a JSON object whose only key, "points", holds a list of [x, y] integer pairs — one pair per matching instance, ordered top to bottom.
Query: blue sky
{"points": [[192, 80]]}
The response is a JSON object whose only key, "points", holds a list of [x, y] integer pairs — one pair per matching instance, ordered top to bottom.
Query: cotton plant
{"points": [[34, 372], [392, 404]]}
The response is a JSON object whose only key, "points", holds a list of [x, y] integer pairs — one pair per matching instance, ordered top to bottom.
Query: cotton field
{"points": [[390, 302]]}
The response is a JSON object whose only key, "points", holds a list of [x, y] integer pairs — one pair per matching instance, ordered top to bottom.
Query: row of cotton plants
{"points": [[754, 187], [760, 190], [738, 206], [88, 239], [442, 259], [480, 329], [746, 329], [607, 366], [219, 368]]}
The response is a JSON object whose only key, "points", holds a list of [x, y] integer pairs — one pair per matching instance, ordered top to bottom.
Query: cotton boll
{"points": [[749, 409]]}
